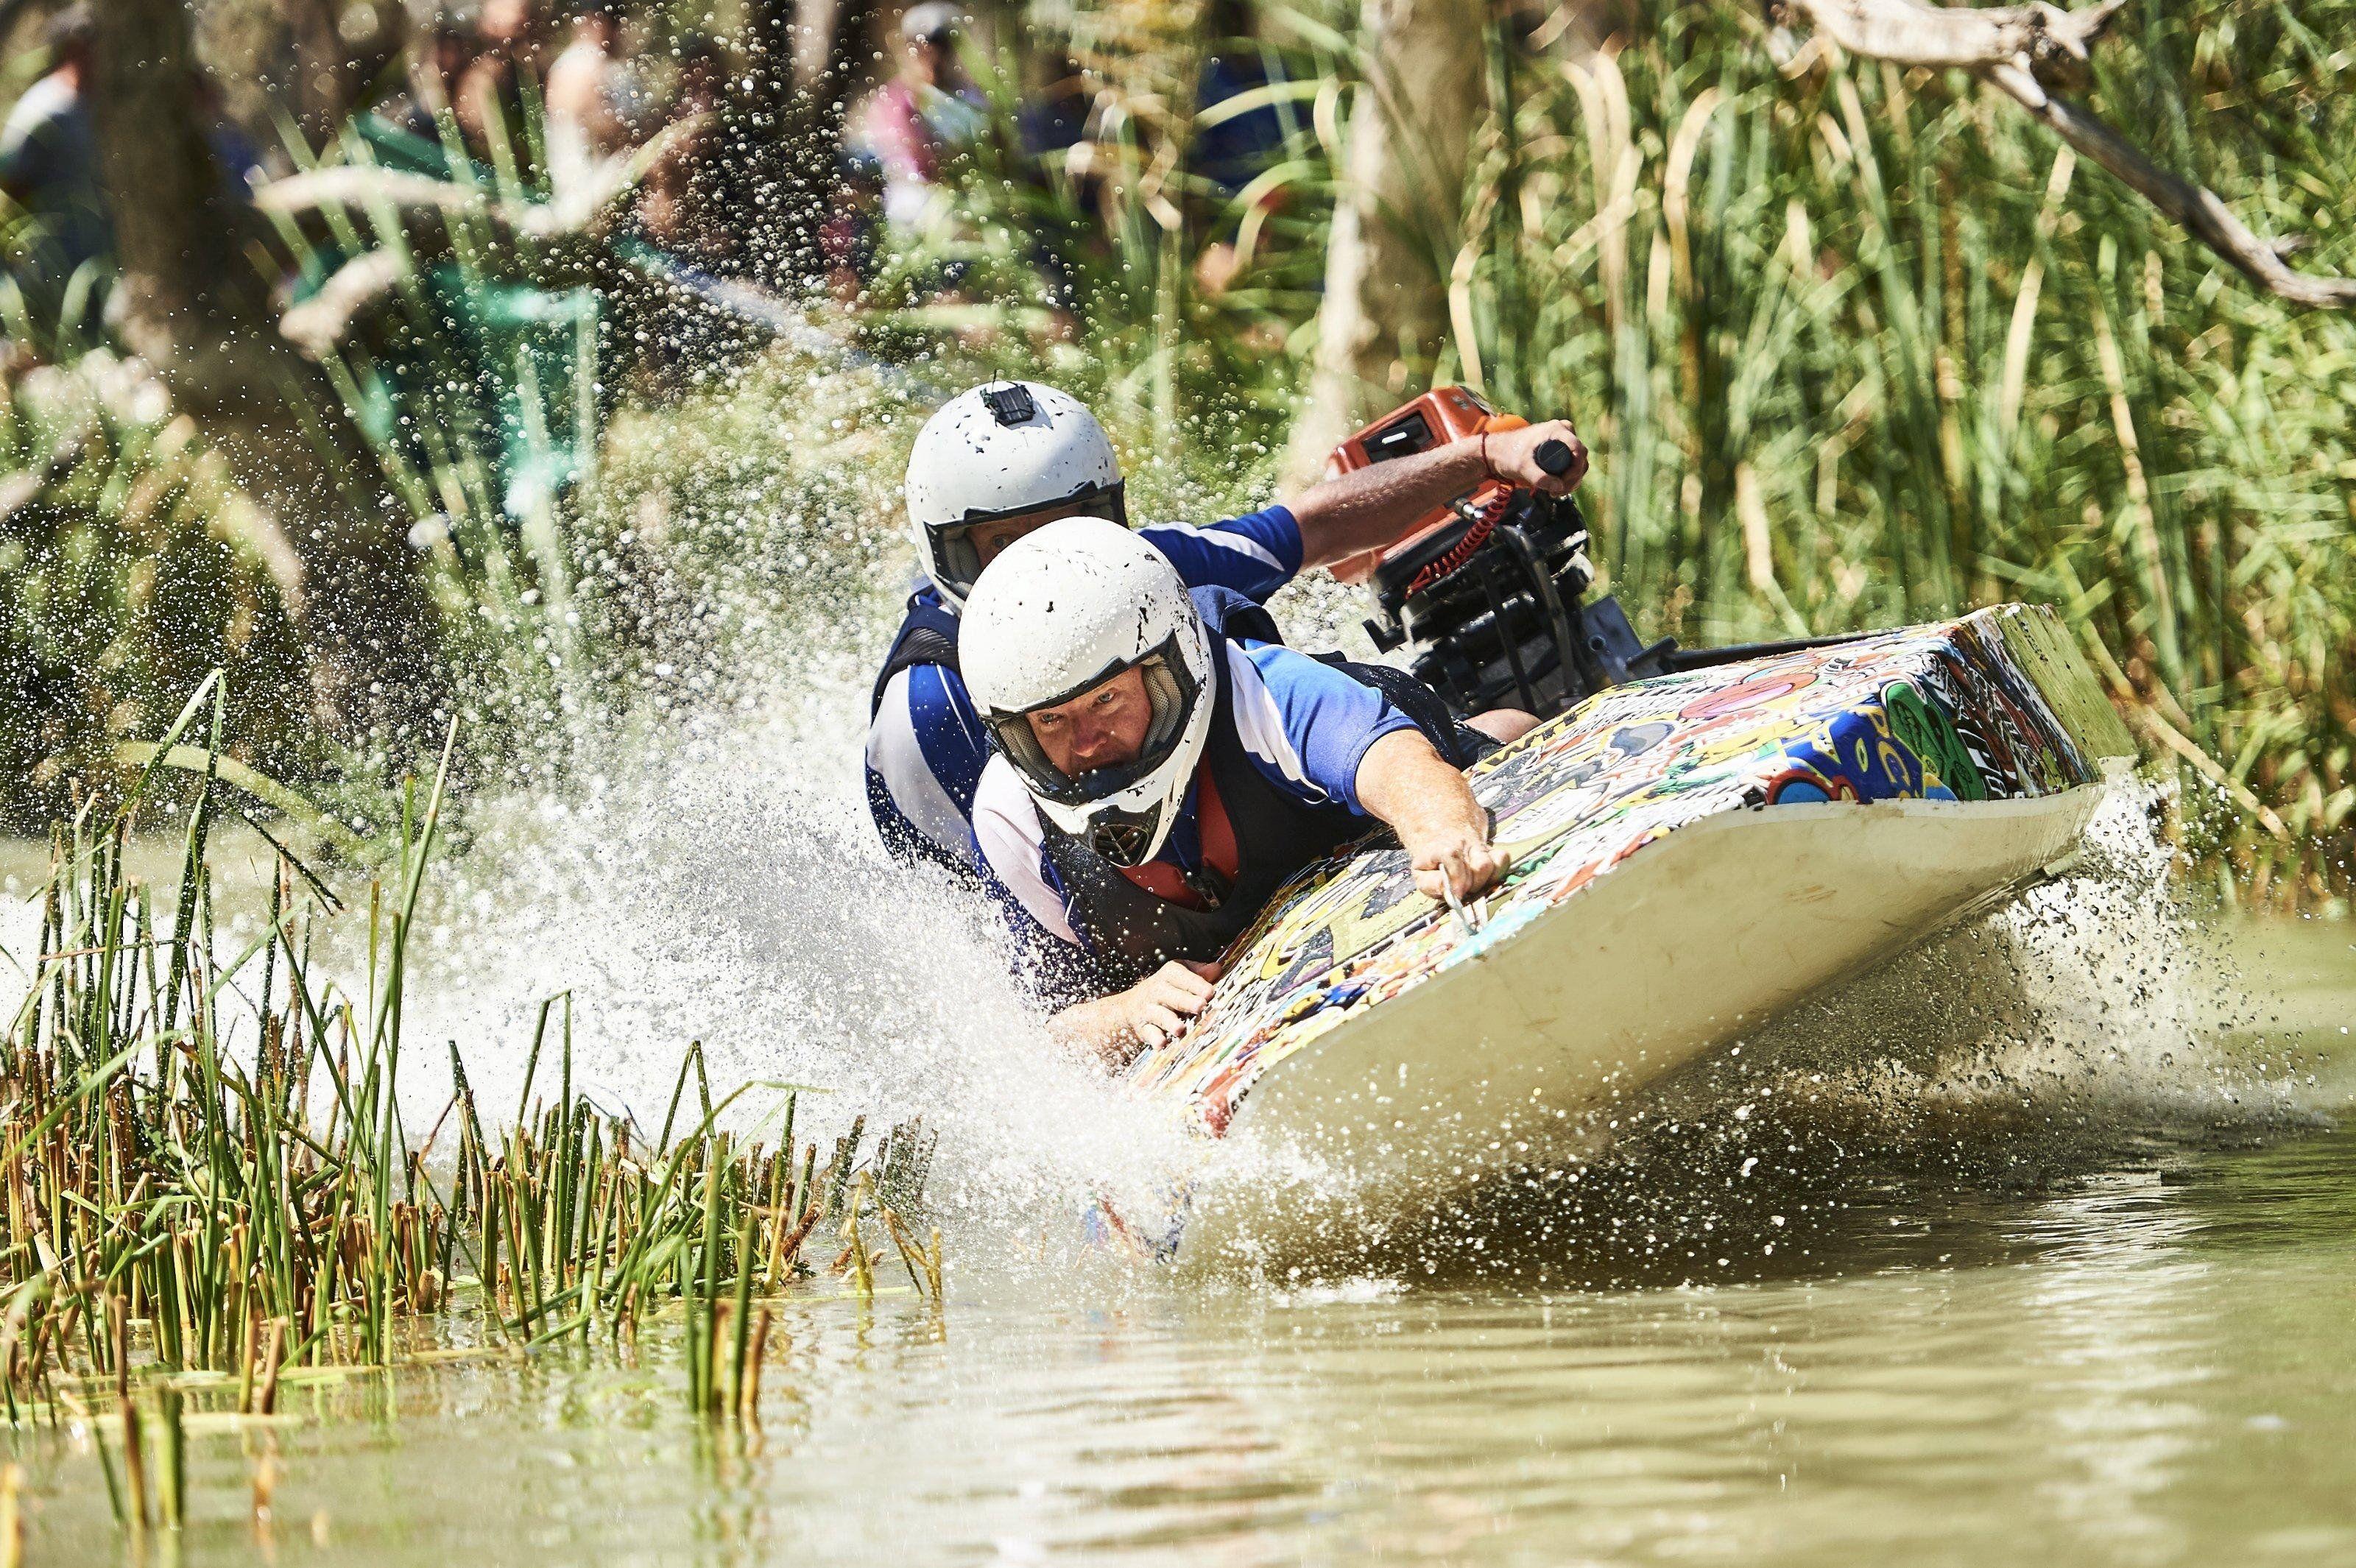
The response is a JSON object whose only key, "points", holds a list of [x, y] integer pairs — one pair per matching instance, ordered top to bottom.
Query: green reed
{"points": [[1861, 347], [206, 1196]]}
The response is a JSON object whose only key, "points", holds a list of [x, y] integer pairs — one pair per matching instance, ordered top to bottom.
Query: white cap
{"points": [[928, 20]]}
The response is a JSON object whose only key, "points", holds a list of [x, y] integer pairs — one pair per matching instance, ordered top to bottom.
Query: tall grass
{"points": [[1866, 347], [473, 383], [127, 570], [207, 1169]]}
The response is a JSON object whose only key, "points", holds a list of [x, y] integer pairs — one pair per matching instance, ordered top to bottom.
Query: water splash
{"points": [[722, 885]]}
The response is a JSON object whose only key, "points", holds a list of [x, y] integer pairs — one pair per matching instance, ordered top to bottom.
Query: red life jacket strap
{"points": [[1165, 881]]}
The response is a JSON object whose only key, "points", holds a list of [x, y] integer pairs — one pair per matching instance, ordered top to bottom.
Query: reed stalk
{"points": [[187, 1186]]}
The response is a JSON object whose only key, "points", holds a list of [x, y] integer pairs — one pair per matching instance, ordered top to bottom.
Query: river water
{"points": [[2121, 1337], [2153, 1362]]}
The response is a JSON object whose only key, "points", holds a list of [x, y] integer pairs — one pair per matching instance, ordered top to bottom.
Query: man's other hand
{"points": [[1514, 456], [1117, 1027]]}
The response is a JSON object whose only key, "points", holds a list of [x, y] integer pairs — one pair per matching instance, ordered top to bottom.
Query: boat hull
{"points": [[1692, 855], [1514, 1059]]}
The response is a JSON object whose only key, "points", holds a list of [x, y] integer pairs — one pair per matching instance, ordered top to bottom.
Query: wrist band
{"points": [[1488, 469]]}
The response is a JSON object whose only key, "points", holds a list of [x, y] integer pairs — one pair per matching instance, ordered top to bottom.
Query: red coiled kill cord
{"points": [[1482, 526]]}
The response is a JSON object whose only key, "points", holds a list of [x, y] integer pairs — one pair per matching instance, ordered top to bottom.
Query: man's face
{"points": [[989, 540], [1103, 727]]}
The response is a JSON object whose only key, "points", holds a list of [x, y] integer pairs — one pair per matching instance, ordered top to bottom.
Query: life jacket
{"points": [[927, 634], [1130, 931]]}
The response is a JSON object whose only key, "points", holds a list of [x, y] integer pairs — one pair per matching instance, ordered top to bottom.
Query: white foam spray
{"points": [[722, 885]]}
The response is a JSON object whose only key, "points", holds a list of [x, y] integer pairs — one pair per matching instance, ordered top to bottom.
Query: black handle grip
{"points": [[1554, 456]]}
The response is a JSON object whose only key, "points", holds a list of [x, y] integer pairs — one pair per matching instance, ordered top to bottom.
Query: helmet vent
{"points": [[1011, 405]]}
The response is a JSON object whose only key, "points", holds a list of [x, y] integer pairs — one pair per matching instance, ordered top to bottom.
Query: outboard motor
{"points": [[1488, 593]]}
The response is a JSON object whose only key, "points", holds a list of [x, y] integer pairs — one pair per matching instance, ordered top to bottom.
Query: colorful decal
{"points": [[1993, 706]]}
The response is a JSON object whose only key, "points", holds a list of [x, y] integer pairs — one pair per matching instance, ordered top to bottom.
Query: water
{"points": [[2089, 1310], [2150, 1362]]}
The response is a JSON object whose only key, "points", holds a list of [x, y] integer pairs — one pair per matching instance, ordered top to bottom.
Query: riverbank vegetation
{"points": [[1855, 342], [216, 1188]]}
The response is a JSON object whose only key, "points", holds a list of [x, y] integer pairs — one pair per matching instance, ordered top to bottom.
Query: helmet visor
{"points": [[956, 558], [1171, 690]]}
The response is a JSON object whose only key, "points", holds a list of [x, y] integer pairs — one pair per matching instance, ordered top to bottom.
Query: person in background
{"points": [[433, 81], [491, 98], [592, 102], [915, 122], [1052, 132], [1234, 150], [234, 153], [48, 171], [674, 203], [850, 237]]}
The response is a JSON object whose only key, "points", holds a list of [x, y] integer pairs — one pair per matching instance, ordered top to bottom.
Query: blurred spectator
{"points": [[434, 78], [702, 85], [490, 101], [594, 101], [915, 122], [1052, 122], [1237, 148], [234, 152], [1233, 152], [1058, 156], [48, 167], [675, 199], [851, 238]]}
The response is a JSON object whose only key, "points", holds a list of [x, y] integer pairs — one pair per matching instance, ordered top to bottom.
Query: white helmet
{"points": [[995, 452], [1066, 609]]}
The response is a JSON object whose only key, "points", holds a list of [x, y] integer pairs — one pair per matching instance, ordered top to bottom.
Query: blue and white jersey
{"points": [[1306, 725], [926, 745]]}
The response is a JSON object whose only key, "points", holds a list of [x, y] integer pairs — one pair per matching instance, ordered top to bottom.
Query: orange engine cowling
{"points": [[1439, 416]]}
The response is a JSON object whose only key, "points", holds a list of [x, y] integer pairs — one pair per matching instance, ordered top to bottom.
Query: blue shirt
{"points": [[1306, 725], [926, 747]]}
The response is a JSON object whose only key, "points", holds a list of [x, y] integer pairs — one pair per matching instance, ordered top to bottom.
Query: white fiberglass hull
{"points": [[1511, 1058]]}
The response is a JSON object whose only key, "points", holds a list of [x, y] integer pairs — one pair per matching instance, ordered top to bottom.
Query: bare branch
{"points": [[1905, 33], [2018, 49], [367, 185], [2197, 207], [589, 215]]}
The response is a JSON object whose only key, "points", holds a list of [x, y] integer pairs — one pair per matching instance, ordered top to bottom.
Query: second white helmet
{"points": [[996, 452], [1063, 611]]}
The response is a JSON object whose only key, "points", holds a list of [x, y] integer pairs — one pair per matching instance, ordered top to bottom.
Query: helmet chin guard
{"points": [[1001, 451], [1064, 610], [1127, 838]]}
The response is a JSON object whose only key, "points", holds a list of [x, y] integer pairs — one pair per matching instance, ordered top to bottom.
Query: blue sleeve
{"points": [[1254, 554], [1306, 725], [925, 750]]}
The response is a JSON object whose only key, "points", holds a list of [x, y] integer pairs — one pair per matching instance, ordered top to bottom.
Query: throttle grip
{"points": [[1554, 456]]}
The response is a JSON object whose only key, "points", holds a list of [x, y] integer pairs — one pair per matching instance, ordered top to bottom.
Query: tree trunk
{"points": [[1399, 222], [195, 309]]}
